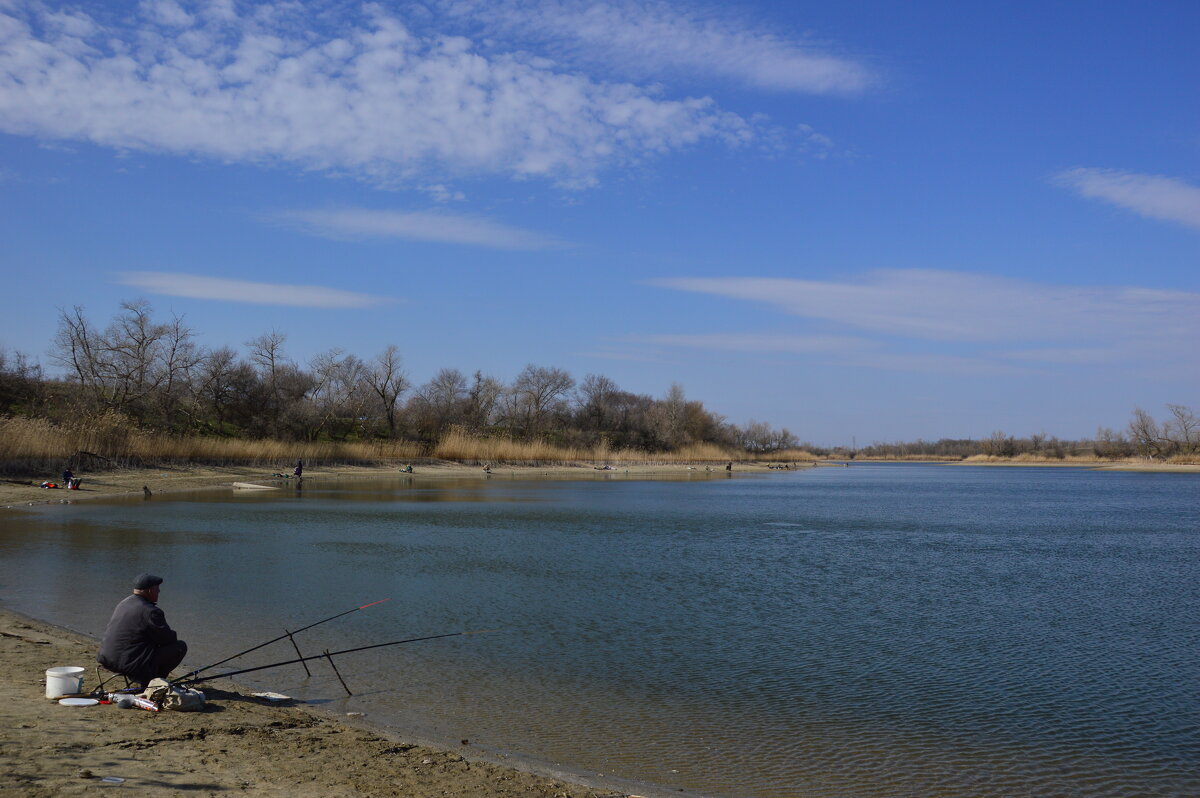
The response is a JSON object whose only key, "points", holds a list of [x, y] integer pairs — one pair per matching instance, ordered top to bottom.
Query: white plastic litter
{"points": [[272, 696]]}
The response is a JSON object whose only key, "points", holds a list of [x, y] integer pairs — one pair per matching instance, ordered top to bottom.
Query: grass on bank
{"points": [[37, 445]]}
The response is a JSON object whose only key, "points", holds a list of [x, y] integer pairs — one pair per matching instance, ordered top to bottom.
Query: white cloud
{"points": [[166, 12], [645, 38], [328, 88], [1154, 196], [415, 226], [195, 286], [936, 305], [932, 320]]}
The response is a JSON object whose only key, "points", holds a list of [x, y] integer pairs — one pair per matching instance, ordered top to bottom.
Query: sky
{"points": [[863, 221]]}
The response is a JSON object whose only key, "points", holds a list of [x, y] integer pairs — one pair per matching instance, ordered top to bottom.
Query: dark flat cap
{"points": [[146, 581]]}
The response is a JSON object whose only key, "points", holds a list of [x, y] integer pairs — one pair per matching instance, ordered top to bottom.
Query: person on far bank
{"points": [[298, 470], [138, 643]]}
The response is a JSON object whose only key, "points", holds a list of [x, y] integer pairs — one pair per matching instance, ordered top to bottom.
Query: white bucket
{"points": [[67, 680]]}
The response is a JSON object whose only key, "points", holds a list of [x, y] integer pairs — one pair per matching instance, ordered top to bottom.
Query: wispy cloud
{"points": [[647, 39], [327, 86], [1154, 196], [415, 226], [195, 286], [937, 305], [951, 321], [760, 342], [1066, 356]]}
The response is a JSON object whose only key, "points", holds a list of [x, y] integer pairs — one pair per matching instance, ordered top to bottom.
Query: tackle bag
{"points": [[170, 696]]}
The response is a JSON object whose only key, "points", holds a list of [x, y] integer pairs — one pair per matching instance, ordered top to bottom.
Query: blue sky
{"points": [[859, 220]]}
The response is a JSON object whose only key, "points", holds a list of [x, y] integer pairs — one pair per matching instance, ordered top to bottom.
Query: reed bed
{"points": [[107, 440], [110, 441], [464, 447], [791, 456], [1030, 457], [904, 458], [1085, 460]]}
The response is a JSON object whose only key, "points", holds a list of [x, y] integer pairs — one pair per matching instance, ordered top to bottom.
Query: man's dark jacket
{"points": [[137, 630]]}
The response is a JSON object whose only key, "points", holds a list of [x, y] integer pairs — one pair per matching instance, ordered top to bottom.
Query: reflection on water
{"points": [[871, 631]]}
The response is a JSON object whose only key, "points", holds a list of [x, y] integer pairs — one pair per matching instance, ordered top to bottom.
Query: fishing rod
{"points": [[276, 640], [328, 655]]}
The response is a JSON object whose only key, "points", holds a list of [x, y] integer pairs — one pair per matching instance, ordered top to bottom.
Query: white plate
{"points": [[78, 702]]}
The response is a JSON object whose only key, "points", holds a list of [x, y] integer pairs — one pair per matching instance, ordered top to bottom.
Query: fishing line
{"points": [[286, 634], [326, 655]]}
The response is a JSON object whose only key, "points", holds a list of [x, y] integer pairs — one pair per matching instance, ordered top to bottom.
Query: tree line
{"points": [[158, 376], [1177, 435]]}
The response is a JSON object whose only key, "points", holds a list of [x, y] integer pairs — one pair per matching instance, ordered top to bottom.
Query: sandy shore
{"points": [[25, 490], [238, 744]]}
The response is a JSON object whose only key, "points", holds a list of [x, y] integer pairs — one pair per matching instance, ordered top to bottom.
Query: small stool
{"points": [[100, 671]]}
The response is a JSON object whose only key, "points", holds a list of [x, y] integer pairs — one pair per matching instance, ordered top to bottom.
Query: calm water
{"points": [[891, 630]]}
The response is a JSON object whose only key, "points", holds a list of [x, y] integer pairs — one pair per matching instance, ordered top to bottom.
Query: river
{"points": [[875, 630]]}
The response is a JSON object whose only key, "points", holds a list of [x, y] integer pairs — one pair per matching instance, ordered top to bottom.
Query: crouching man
{"points": [[138, 643]]}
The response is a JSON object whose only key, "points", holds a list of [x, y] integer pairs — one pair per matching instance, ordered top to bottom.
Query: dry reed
{"points": [[109, 440], [38, 444], [462, 446], [1085, 460]]}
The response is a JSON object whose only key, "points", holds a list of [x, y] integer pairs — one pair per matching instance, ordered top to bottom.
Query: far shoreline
{"points": [[24, 491]]}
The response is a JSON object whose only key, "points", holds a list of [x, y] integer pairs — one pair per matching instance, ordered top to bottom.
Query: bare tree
{"points": [[76, 348], [266, 352], [179, 356], [131, 362], [388, 382], [216, 385], [537, 392], [338, 394], [483, 399], [440, 402], [673, 416], [1183, 430], [1146, 433], [755, 436], [783, 438], [1112, 444], [1000, 445]]}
